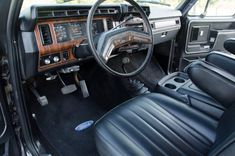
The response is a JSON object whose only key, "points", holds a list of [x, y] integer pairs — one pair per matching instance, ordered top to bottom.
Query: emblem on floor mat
{"points": [[84, 125]]}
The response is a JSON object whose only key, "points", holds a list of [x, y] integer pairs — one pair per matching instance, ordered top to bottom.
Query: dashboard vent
{"points": [[132, 9], [146, 10], [84, 11], [103, 11], [107, 11], [113, 11], [72, 12], [42, 13], [59, 13], [45, 14], [109, 24], [45, 34]]}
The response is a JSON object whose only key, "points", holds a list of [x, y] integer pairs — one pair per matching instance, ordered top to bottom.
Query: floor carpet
{"points": [[57, 121]]}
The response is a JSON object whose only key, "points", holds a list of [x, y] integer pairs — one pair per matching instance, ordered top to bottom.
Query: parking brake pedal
{"points": [[67, 89], [41, 99]]}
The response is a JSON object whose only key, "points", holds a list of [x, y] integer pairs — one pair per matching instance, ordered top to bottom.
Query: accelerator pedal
{"points": [[82, 84], [84, 89]]}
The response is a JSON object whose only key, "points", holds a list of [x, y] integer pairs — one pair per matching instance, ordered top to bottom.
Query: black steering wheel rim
{"points": [[94, 50]]}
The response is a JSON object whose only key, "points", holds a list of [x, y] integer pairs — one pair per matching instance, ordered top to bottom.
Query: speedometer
{"points": [[75, 30], [61, 32]]}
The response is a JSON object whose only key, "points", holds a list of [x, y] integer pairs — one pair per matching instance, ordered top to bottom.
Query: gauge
{"points": [[98, 27], [95, 28], [75, 30], [61, 32]]}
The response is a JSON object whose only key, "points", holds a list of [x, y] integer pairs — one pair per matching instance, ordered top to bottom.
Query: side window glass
{"points": [[214, 8]]}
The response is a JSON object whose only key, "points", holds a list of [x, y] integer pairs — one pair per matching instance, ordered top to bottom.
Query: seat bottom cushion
{"points": [[155, 124]]}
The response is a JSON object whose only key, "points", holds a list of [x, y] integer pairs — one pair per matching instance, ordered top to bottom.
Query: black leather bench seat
{"points": [[155, 124]]}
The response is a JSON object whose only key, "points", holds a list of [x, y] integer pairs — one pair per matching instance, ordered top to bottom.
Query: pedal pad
{"points": [[68, 89], [84, 89], [42, 100]]}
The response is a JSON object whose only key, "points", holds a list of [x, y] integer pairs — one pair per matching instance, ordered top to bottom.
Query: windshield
{"points": [[170, 3]]}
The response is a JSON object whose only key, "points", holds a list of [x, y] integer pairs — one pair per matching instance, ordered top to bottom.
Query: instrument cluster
{"points": [[69, 31]]}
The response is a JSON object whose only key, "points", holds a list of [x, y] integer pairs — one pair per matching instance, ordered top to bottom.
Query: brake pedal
{"points": [[67, 89], [42, 100]]}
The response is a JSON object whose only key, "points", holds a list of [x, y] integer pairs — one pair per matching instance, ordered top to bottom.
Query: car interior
{"points": [[129, 78]]}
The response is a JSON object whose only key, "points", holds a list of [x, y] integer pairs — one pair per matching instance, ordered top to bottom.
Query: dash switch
{"points": [[65, 55]]}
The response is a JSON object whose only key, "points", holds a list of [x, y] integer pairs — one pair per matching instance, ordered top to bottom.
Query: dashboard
{"points": [[51, 33], [57, 38]]}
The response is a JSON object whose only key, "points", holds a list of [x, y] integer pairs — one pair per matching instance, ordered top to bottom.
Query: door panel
{"points": [[207, 34], [204, 35]]}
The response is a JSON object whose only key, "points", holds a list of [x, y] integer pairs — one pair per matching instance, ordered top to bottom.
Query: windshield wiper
{"points": [[153, 2]]}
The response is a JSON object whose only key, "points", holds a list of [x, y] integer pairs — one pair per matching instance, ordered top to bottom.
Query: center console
{"points": [[178, 84]]}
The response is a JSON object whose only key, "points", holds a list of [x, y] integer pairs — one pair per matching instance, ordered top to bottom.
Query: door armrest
{"points": [[229, 45]]}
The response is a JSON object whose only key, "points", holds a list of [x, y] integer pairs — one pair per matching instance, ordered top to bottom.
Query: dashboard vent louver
{"points": [[131, 9], [146, 10], [84, 11], [104, 11], [113, 11], [72, 12], [42, 13], [58, 13], [45, 14], [109, 24], [45, 34]]}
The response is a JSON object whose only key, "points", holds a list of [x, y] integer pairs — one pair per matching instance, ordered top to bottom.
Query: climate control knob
{"points": [[56, 59], [47, 61]]}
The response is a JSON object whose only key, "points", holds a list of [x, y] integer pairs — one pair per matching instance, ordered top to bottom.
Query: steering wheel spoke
{"points": [[117, 38]]}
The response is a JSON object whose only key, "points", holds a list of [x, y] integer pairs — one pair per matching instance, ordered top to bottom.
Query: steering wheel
{"points": [[116, 38]]}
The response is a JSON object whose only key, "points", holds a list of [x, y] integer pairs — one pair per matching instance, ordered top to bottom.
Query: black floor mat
{"points": [[57, 121]]}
